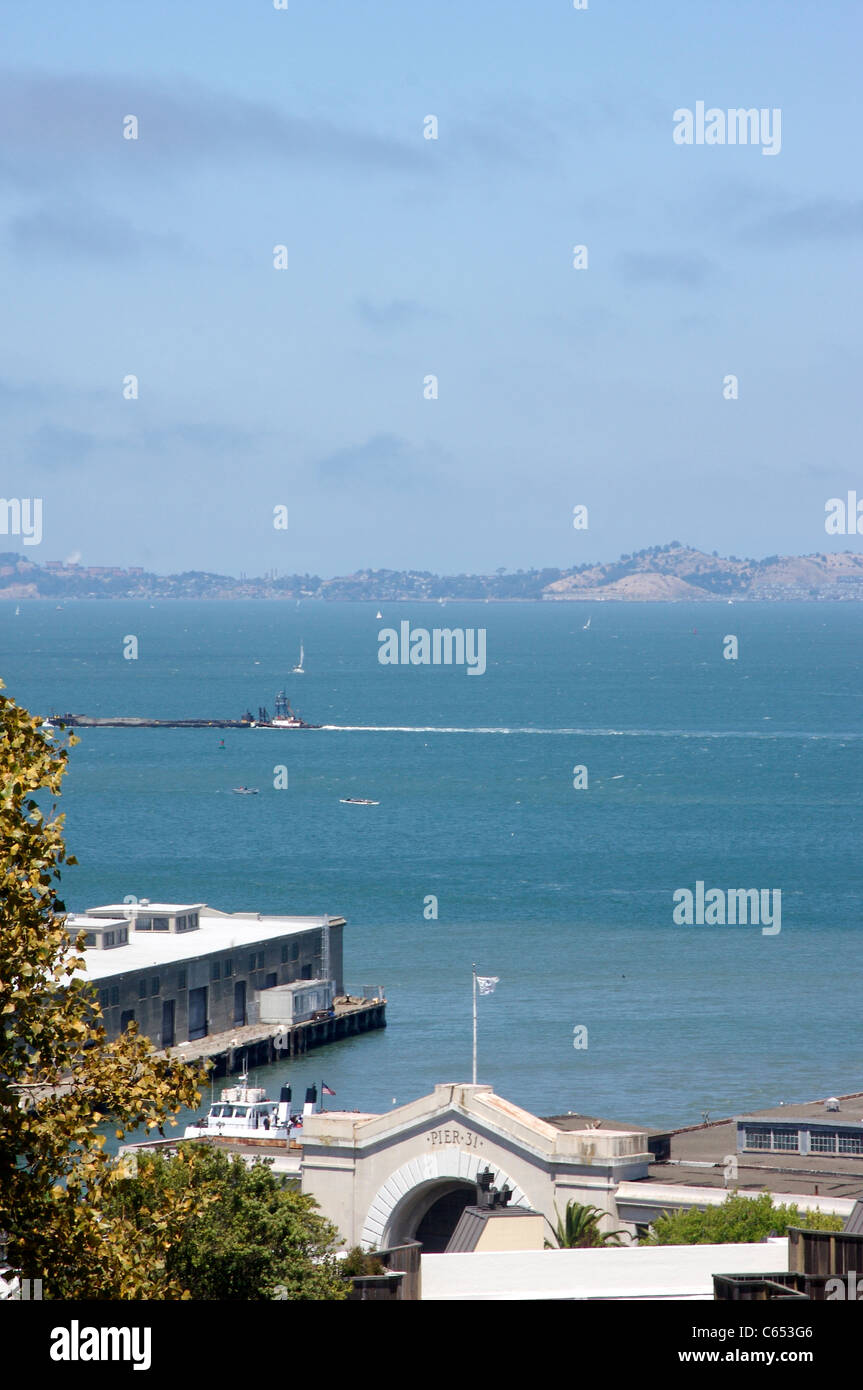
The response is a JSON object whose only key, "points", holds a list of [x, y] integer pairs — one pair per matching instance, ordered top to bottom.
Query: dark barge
{"points": [[284, 718]]}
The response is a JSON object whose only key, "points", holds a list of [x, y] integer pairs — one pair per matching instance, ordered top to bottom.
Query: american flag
{"points": [[325, 1090]]}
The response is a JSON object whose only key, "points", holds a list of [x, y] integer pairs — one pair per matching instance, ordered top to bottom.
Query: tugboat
{"points": [[284, 717], [245, 1116]]}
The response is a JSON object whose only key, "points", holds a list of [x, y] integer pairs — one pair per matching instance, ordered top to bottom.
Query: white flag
{"points": [[487, 983]]}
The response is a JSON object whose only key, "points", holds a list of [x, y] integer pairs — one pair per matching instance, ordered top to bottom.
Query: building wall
{"points": [[143, 992], [378, 1195]]}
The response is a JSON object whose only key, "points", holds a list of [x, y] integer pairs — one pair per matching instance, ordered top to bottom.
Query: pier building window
{"points": [[192, 922], [142, 924], [160, 924], [181, 924], [123, 935], [109, 938], [295, 951], [285, 954], [256, 961], [229, 968], [215, 970], [181, 979], [154, 985], [142, 989], [115, 994], [104, 998], [126, 1017], [758, 1138], [772, 1140], [822, 1143], [850, 1143]]}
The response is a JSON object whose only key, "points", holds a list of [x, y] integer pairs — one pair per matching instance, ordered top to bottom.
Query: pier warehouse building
{"points": [[186, 971]]}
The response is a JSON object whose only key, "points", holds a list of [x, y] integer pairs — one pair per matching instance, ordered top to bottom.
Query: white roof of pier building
{"points": [[217, 932]]}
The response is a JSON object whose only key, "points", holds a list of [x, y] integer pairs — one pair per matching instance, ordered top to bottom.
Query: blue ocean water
{"points": [[740, 773]]}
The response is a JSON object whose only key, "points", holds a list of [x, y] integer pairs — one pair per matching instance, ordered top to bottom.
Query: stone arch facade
{"points": [[426, 1177]]}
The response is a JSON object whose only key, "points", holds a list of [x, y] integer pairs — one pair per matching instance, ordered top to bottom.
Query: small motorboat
{"points": [[245, 791], [357, 801]]}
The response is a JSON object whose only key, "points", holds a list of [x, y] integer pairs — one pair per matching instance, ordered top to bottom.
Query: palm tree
{"points": [[579, 1229]]}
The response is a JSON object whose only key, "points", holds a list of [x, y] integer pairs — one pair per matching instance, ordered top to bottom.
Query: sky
{"points": [[410, 258]]}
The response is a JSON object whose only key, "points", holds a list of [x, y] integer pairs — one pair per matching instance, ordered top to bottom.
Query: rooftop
{"points": [[146, 909], [79, 921], [218, 931], [850, 1111], [579, 1122], [698, 1153], [658, 1272]]}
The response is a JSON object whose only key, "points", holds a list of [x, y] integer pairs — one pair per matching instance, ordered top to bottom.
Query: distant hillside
{"points": [[678, 572], [668, 573]]}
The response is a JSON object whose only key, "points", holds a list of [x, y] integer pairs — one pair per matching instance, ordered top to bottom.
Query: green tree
{"points": [[60, 1078], [738, 1219], [578, 1228], [256, 1239]]}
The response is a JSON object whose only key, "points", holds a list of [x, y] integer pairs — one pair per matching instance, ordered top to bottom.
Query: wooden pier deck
{"points": [[259, 1044]]}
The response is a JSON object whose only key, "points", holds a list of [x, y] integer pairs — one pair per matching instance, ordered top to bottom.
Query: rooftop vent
{"points": [[831, 1104]]}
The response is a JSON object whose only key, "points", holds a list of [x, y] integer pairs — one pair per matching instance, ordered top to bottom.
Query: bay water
{"points": [[739, 773]]}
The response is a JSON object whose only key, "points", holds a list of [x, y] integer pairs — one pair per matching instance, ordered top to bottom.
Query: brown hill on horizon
{"points": [[681, 572]]}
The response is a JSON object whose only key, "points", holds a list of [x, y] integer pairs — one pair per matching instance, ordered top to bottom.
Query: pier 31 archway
{"points": [[384, 1179]]}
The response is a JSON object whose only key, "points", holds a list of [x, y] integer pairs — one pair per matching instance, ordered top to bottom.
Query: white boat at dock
{"points": [[244, 1115]]}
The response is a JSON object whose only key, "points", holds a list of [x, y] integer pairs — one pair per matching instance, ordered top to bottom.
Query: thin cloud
{"points": [[48, 118], [822, 219], [81, 231], [688, 270], [394, 313], [384, 460]]}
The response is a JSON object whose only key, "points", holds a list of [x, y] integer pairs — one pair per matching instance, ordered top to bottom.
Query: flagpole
{"points": [[474, 1023]]}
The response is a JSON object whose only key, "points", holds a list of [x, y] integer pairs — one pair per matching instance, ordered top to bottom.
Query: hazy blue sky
{"points": [[410, 256]]}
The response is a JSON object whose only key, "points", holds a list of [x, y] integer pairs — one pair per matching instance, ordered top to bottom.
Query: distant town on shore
{"points": [[662, 573]]}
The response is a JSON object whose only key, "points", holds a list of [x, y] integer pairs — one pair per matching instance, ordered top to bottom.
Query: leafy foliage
{"points": [[60, 1078], [739, 1219], [579, 1228], [256, 1237], [361, 1262]]}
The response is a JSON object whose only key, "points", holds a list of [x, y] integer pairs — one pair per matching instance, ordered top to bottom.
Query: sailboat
{"points": [[18, 610], [379, 614], [586, 626], [298, 669]]}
